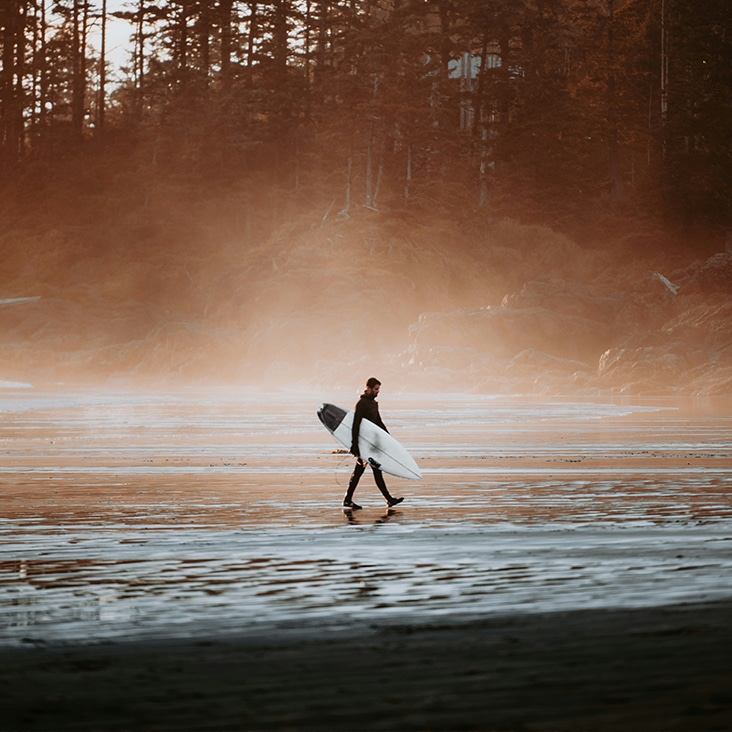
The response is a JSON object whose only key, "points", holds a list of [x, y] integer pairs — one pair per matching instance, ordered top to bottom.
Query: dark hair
{"points": [[372, 382]]}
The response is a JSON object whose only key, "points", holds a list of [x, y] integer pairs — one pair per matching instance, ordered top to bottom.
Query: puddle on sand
{"points": [[172, 516]]}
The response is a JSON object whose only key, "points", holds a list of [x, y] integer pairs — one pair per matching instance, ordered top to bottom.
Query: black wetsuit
{"points": [[366, 408]]}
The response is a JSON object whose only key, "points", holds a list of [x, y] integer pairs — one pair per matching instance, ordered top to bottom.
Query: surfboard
{"points": [[378, 447]]}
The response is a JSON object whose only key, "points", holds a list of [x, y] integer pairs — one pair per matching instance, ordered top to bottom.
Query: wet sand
{"points": [[180, 562], [650, 669]]}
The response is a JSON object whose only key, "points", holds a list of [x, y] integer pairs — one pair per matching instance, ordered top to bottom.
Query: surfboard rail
{"points": [[375, 444]]}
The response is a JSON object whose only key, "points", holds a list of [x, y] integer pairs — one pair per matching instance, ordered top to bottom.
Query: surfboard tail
{"points": [[331, 416]]}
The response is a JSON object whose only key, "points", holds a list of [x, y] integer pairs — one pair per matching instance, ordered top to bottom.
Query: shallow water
{"points": [[128, 516]]}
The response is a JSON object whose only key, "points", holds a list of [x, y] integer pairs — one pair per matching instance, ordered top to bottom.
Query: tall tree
{"points": [[79, 15], [225, 22], [102, 94], [12, 95], [698, 130]]}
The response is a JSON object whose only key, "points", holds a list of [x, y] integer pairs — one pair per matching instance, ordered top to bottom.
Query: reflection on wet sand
{"points": [[173, 516], [354, 518]]}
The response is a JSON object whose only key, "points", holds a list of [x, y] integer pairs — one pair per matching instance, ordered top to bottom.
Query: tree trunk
{"points": [[225, 7], [322, 33], [253, 35], [204, 36], [280, 41], [182, 50], [140, 55], [42, 70], [20, 77], [664, 78], [78, 83], [11, 89], [478, 98], [102, 101], [369, 166], [485, 166], [614, 168], [349, 175], [408, 181]]}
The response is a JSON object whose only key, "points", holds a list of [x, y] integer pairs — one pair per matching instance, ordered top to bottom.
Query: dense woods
{"points": [[542, 107], [248, 146]]}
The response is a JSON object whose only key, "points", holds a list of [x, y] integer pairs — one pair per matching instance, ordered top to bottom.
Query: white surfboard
{"points": [[378, 447]]}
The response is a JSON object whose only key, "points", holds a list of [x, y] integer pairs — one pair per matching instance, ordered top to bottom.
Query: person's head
{"points": [[372, 387]]}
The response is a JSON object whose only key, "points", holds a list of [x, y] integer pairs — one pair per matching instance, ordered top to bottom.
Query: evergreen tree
{"points": [[12, 94], [697, 136]]}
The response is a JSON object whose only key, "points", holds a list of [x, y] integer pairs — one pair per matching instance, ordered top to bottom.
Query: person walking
{"points": [[366, 408]]}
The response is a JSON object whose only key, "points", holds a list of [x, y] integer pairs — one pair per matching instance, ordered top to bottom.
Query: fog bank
{"points": [[189, 294]]}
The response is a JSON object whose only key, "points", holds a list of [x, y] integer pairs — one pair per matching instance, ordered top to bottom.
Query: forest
{"points": [[508, 195]]}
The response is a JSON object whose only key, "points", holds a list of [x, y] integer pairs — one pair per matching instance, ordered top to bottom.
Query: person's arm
{"points": [[357, 417], [378, 421]]}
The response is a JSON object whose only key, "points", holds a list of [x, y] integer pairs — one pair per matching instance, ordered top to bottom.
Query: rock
{"points": [[712, 277], [564, 298], [555, 318], [705, 325], [690, 354], [532, 361], [663, 365], [713, 380]]}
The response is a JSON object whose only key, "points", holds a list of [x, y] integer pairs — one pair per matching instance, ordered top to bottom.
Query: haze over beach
{"points": [[215, 216]]}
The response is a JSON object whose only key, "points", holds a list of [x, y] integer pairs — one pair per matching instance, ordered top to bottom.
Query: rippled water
{"points": [[129, 516]]}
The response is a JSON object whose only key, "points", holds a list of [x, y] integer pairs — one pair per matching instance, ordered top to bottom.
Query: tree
{"points": [[79, 19], [12, 94], [102, 94], [697, 135]]}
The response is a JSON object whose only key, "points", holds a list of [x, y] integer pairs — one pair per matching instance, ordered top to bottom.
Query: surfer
{"points": [[367, 408]]}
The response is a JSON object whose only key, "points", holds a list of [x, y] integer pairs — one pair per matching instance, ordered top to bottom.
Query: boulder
{"points": [[714, 276], [564, 298], [689, 354], [532, 362], [662, 366]]}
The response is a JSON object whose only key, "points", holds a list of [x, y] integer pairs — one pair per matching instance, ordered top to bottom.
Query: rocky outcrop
{"points": [[713, 276], [557, 318], [657, 336], [691, 353]]}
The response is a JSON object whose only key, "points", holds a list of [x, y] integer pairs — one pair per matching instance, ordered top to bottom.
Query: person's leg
{"points": [[352, 483], [381, 484]]}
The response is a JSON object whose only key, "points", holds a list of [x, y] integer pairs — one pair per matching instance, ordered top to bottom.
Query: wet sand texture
{"points": [[182, 563], [649, 669]]}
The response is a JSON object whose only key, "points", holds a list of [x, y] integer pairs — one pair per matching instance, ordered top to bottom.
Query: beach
{"points": [[180, 561]]}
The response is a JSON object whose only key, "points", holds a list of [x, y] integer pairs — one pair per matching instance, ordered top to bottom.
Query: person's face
{"points": [[373, 390]]}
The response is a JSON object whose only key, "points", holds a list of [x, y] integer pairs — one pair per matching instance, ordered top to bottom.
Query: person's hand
{"points": [[355, 451]]}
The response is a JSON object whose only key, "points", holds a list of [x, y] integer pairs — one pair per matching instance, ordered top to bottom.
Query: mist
{"points": [[183, 288]]}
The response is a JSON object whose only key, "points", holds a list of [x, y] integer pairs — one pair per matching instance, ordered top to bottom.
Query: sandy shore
{"points": [[180, 562], [651, 669]]}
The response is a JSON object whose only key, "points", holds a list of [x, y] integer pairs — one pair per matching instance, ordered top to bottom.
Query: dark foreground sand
{"points": [[650, 669]]}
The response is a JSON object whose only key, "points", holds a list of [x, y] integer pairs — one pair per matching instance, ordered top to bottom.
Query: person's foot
{"points": [[393, 502], [350, 506]]}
